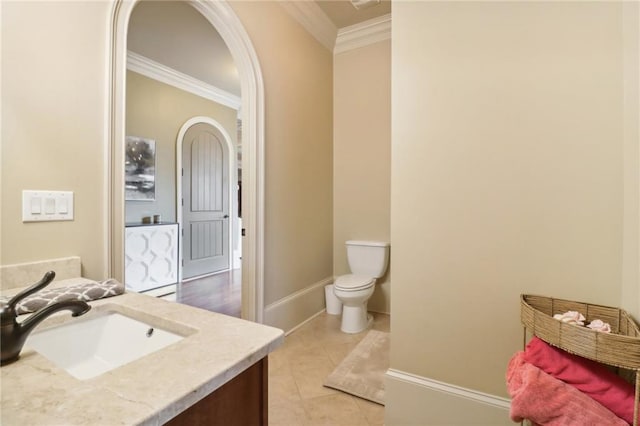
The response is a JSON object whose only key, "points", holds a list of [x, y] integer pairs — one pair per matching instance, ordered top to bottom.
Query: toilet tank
{"points": [[369, 258]]}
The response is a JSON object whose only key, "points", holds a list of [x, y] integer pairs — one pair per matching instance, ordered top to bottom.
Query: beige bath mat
{"points": [[361, 373]]}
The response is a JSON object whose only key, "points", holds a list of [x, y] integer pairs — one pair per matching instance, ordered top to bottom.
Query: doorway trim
{"points": [[220, 14], [232, 167]]}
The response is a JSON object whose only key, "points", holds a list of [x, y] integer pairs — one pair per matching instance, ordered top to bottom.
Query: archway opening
{"points": [[223, 19]]}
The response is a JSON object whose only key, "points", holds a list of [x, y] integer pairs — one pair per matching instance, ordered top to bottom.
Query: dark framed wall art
{"points": [[140, 169]]}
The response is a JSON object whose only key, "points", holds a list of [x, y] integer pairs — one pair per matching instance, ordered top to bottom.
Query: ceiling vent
{"points": [[362, 4]]}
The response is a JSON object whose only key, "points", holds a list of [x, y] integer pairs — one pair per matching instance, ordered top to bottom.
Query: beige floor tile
{"points": [[326, 321], [381, 322], [332, 335], [307, 336], [302, 339], [298, 348], [337, 352], [313, 360], [279, 362], [299, 367], [310, 380], [283, 388], [338, 409], [374, 413], [288, 414]]}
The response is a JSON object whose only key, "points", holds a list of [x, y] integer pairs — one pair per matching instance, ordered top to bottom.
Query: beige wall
{"points": [[54, 84], [158, 111], [53, 127], [362, 156], [507, 176], [298, 189], [631, 216]]}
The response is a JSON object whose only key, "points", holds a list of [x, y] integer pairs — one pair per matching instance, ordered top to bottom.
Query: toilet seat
{"points": [[353, 282]]}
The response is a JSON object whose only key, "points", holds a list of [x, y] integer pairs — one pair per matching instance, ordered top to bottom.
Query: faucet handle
{"points": [[8, 311]]}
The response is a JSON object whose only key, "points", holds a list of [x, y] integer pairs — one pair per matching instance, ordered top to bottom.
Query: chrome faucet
{"points": [[14, 334]]}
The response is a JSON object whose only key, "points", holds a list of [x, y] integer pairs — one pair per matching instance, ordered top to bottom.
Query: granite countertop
{"points": [[147, 391]]}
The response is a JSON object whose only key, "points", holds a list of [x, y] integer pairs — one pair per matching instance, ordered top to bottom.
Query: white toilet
{"points": [[368, 260]]}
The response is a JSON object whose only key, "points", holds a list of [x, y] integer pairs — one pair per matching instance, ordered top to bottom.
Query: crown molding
{"points": [[314, 20], [363, 34], [149, 68]]}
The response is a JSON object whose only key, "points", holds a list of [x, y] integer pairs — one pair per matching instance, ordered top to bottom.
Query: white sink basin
{"points": [[88, 348]]}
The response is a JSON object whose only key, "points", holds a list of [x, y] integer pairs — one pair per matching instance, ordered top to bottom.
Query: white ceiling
{"points": [[343, 14], [176, 35]]}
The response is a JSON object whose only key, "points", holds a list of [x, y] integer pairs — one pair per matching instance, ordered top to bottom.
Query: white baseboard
{"points": [[162, 291], [169, 297], [292, 311], [304, 322], [413, 399]]}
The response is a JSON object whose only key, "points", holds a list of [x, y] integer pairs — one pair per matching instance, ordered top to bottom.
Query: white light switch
{"points": [[36, 205], [49, 205], [42, 206], [63, 206]]}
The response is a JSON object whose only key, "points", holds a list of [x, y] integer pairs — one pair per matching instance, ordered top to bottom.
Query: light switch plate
{"points": [[44, 206]]}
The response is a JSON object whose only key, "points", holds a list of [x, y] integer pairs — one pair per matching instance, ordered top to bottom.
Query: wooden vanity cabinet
{"points": [[243, 401]]}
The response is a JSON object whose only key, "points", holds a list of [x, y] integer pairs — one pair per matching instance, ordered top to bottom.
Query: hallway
{"points": [[221, 292]]}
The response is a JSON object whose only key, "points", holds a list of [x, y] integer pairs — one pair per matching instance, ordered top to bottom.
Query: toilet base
{"points": [[355, 319]]}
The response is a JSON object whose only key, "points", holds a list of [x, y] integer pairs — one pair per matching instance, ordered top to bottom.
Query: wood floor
{"points": [[217, 293]]}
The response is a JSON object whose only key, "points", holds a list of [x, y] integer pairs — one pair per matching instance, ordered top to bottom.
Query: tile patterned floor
{"points": [[298, 368]]}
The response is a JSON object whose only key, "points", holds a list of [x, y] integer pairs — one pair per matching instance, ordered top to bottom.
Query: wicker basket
{"points": [[620, 348]]}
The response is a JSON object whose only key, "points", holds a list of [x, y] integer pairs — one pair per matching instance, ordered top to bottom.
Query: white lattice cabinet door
{"points": [[151, 256]]}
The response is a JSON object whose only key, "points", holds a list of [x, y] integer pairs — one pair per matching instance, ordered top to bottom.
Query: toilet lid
{"points": [[353, 282]]}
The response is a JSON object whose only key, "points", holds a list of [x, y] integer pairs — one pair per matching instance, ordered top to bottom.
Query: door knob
{"points": [[225, 216]]}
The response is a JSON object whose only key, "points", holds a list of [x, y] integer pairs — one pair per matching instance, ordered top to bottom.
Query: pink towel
{"points": [[587, 376], [538, 397]]}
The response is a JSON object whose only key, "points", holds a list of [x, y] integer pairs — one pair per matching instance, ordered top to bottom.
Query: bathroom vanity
{"points": [[216, 373]]}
